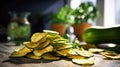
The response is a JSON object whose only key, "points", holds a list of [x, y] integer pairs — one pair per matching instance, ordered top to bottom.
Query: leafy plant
{"points": [[84, 12], [62, 16], [75, 43]]}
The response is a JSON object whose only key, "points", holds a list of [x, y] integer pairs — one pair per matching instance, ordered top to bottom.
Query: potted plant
{"points": [[83, 13], [61, 19]]}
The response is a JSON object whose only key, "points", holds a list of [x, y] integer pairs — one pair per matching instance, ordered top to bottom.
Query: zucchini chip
{"points": [[50, 32], [37, 37], [30, 44], [43, 45], [63, 47], [96, 50], [43, 51], [21, 52], [64, 52], [84, 53], [74, 55], [110, 55], [32, 56], [48, 56], [83, 61]]}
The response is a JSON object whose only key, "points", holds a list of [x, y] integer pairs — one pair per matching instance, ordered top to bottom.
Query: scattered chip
{"points": [[96, 50], [110, 55], [83, 61]]}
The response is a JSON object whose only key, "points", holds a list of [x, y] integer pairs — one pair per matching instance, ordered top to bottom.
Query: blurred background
{"points": [[40, 10]]}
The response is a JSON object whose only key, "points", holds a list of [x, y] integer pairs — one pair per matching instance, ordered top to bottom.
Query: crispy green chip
{"points": [[50, 31], [37, 37], [43, 51], [21, 52], [32, 56], [49, 56], [83, 61]]}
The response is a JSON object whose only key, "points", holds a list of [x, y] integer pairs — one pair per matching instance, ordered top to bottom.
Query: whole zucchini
{"points": [[96, 35]]}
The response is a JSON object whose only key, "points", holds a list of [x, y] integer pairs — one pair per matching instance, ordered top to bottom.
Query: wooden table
{"points": [[5, 61]]}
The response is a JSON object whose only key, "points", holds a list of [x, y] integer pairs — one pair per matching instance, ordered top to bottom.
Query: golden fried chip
{"points": [[50, 32], [37, 37], [30, 44], [43, 45], [63, 47], [45, 50], [96, 50], [21, 52], [64, 52], [84, 53], [73, 55], [110, 55], [32, 56], [48, 56], [83, 61]]}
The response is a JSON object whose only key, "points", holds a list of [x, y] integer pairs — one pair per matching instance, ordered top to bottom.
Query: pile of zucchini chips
{"points": [[49, 45]]}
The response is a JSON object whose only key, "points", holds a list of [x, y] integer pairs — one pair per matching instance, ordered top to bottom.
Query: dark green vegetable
{"points": [[102, 35]]}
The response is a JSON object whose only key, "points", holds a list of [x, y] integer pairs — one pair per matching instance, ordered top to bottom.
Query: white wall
{"points": [[117, 8], [109, 12]]}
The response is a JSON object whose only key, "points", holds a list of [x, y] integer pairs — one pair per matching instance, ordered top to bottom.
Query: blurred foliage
{"points": [[84, 12], [62, 16]]}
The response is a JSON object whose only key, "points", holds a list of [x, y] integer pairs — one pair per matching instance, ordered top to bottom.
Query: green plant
{"points": [[84, 12], [62, 16]]}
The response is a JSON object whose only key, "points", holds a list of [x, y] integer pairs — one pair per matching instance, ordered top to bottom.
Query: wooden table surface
{"points": [[5, 61]]}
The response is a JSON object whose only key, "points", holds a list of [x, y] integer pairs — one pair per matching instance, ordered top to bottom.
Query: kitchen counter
{"points": [[7, 48]]}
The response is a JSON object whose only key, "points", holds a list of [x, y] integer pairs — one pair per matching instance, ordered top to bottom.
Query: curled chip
{"points": [[50, 31], [37, 37], [30, 44], [43, 45], [63, 47], [45, 50], [96, 50], [21, 52], [64, 52], [84, 53], [73, 55], [110, 55], [32, 56], [48, 56], [83, 61]]}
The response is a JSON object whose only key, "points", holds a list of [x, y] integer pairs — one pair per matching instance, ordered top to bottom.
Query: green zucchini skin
{"points": [[102, 35]]}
